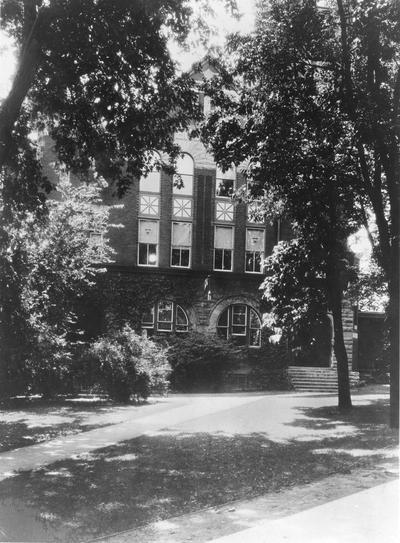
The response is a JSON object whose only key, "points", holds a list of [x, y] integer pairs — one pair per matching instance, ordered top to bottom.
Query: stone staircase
{"points": [[310, 379]]}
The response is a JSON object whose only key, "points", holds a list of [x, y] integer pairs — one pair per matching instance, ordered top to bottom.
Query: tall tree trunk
{"points": [[394, 320], [339, 348]]}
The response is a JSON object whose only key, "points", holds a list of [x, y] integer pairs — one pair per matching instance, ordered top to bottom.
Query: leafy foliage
{"points": [[99, 76], [48, 263], [199, 361], [129, 364]]}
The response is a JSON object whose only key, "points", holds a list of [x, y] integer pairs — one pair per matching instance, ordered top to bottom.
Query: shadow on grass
{"points": [[29, 420], [159, 476]]}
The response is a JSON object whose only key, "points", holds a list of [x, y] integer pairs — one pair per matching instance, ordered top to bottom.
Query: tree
{"points": [[336, 68], [100, 77], [370, 96], [286, 126], [48, 262]]}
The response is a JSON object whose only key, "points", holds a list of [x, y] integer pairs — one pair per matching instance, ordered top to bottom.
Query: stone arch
{"points": [[223, 304]]}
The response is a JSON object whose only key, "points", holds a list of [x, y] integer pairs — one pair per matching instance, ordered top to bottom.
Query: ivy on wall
{"points": [[121, 298]]}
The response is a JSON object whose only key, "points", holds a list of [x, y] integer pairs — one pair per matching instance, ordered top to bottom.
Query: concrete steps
{"points": [[310, 379]]}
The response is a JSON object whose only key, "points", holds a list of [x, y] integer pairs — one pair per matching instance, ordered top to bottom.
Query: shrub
{"points": [[199, 361], [129, 364]]}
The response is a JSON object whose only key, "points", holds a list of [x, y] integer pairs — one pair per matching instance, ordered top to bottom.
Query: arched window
{"points": [[183, 180], [165, 316], [241, 324]]}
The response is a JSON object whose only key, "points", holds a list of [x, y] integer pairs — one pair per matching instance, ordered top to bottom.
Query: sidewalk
{"points": [[35, 456], [370, 516]]}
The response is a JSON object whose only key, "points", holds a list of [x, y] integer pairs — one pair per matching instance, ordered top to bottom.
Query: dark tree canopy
{"points": [[99, 76]]}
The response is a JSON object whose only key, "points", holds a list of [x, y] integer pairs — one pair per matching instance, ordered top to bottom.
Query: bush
{"points": [[199, 361], [129, 364]]}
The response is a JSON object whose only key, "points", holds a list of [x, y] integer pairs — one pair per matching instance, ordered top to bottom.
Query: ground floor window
{"points": [[165, 316], [240, 323]]}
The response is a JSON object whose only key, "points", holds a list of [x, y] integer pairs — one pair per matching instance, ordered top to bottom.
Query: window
{"points": [[183, 180], [151, 182], [225, 183], [149, 205], [182, 208], [224, 211], [255, 212], [148, 243], [181, 244], [223, 248], [254, 250], [165, 316], [241, 324]]}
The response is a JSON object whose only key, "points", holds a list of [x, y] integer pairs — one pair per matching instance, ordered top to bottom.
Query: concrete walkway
{"points": [[272, 414], [35, 456], [370, 516]]}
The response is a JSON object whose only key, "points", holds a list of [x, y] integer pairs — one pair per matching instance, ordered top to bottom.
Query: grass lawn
{"points": [[26, 421], [169, 473]]}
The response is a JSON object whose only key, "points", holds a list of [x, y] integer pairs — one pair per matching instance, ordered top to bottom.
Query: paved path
{"points": [[276, 415], [28, 458], [370, 516]]}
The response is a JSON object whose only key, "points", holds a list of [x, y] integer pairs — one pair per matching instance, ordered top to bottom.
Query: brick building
{"points": [[189, 257]]}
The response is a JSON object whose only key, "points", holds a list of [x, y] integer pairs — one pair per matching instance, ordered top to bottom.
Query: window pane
{"points": [[185, 165], [229, 174], [184, 179], [151, 183], [183, 184], [224, 188], [149, 205], [182, 207], [224, 211], [255, 212], [148, 231], [181, 234], [223, 237], [254, 240], [142, 253], [152, 255], [175, 257], [185, 257], [218, 259], [227, 259], [249, 262], [257, 263], [239, 314], [165, 316], [148, 318], [223, 318], [254, 320], [181, 324]]}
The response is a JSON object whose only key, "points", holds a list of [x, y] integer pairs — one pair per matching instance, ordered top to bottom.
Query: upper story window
{"points": [[183, 180], [151, 182], [225, 183], [149, 187], [224, 211], [255, 212], [148, 243], [181, 244], [223, 248], [254, 249], [165, 316], [241, 324]]}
